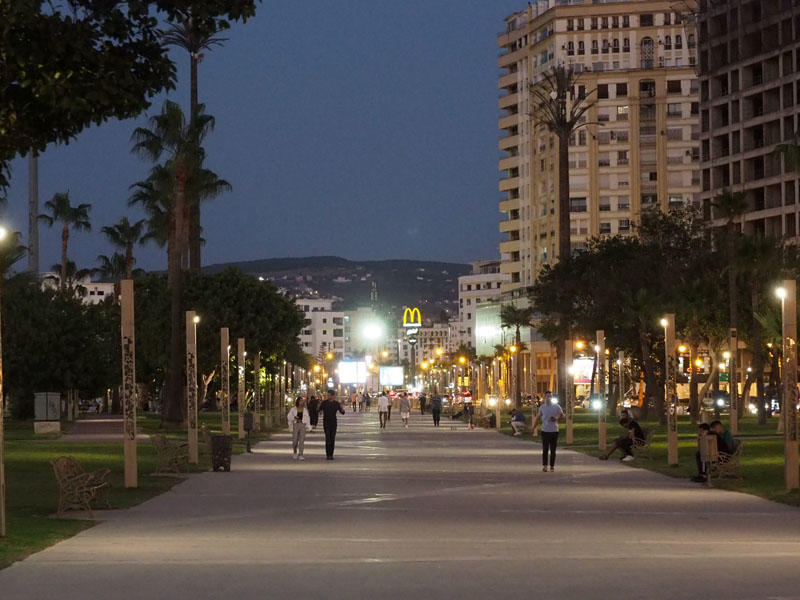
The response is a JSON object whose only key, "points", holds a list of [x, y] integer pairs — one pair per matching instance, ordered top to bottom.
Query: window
{"points": [[667, 18], [646, 20], [594, 22], [604, 22], [615, 22], [570, 24], [580, 24], [691, 41], [667, 42], [678, 42], [615, 45], [626, 45], [594, 46], [606, 47], [570, 48], [581, 48], [648, 53], [673, 87], [602, 90], [622, 90], [695, 108], [674, 109], [622, 113], [622, 157], [604, 160], [652, 175], [648, 199], [675, 200], [605, 203], [623, 203], [577, 205], [624, 225], [605, 228], [324, 320], [324, 332], [338, 333]]}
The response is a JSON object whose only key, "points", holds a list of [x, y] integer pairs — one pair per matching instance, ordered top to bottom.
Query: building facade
{"points": [[749, 58], [639, 144], [482, 285], [323, 328]]}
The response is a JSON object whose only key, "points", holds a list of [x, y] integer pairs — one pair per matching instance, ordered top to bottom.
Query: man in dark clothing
{"points": [[423, 400], [329, 409], [436, 409], [313, 411], [625, 442], [724, 447]]}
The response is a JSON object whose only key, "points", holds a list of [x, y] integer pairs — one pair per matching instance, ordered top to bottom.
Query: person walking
{"points": [[354, 400], [423, 401], [391, 404], [329, 408], [383, 409], [405, 409], [436, 409], [313, 410], [549, 415], [300, 421]]}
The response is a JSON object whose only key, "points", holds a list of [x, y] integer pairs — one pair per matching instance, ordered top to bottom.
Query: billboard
{"points": [[582, 370], [352, 371], [390, 376]]}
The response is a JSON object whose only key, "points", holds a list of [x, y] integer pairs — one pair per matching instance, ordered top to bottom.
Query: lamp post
{"points": [[3, 235], [788, 295], [240, 354], [225, 379], [621, 379], [191, 383], [670, 388], [257, 391], [566, 393], [602, 426], [129, 449]]}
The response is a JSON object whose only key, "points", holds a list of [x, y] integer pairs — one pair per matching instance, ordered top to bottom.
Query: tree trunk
{"points": [[33, 212], [64, 242], [564, 247], [195, 262], [734, 300], [758, 356], [518, 374], [694, 399], [172, 412]]}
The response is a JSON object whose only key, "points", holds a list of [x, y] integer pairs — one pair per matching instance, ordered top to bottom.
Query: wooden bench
{"points": [[642, 447], [170, 457], [728, 465], [77, 489]]}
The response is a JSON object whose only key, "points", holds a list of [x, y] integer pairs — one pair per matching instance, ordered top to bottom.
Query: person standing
{"points": [[354, 400], [423, 400], [391, 404], [329, 408], [383, 409], [405, 409], [436, 409], [313, 410], [549, 415], [300, 421]]}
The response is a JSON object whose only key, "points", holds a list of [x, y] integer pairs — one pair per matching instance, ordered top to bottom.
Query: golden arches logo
{"points": [[412, 317]]}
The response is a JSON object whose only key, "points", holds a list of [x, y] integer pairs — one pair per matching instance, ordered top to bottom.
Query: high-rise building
{"points": [[750, 102], [639, 144], [482, 285], [323, 328]]}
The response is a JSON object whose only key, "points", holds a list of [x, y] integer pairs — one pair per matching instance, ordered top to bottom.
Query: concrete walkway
{"points": [[425, 513]]}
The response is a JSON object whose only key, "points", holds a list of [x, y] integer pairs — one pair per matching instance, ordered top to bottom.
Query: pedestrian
{"points": [[354, 400], [423, 400], [363, 403], [369, 403], [391, 404], [329, 409], [383, 409], [405, 409], [436, 409], [313, 411], [549, 415], [300, 421]]}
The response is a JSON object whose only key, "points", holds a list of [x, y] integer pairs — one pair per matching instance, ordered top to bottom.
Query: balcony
{"points": [[507, 80], [508, 100], [508, 121], [511, 141], [511, 162], [510, 183], [509, 204], [509, 226], [507, 247]]}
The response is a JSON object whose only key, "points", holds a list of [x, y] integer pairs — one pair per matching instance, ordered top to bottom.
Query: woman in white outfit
{"points": [[300, 421]]}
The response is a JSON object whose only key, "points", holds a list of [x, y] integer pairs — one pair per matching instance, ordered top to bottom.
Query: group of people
{"points": [[303, 418]]}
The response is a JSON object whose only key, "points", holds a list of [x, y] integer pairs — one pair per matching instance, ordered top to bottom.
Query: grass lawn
{"points": [[761, 464], [32, 494]]}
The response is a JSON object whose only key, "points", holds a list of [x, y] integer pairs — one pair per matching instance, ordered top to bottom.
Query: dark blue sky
{"points": [[364, 128]]}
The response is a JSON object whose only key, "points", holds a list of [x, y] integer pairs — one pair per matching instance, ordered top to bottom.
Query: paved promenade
{"points": [[425, 513]]}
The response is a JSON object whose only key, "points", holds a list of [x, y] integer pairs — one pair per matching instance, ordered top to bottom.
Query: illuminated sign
{"points": [[412, 321], [352, 372], [390, 376]]}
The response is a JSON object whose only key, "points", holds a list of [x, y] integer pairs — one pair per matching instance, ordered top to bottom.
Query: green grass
{"points": [[761, 463], [32, 495]]}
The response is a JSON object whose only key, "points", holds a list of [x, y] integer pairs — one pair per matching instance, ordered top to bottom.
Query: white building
{"points": [[482, 285], [90, 292], [323, 329], [429, 339]]}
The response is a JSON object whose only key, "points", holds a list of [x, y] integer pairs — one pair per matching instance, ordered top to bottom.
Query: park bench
{"points": [[642, 447], [219, 449], [170, 457], [727, 465], [77, 488]]}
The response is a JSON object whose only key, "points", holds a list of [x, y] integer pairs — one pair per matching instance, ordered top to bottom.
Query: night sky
{"points": [[365, 129]]}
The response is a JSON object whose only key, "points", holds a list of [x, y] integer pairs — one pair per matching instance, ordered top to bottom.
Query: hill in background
{"points": [[430, 285]]}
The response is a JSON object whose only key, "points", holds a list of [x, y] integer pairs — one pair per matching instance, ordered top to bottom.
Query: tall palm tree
{"points": [[194, 38], [556, 107], [179, 142], [730, 206], [75, 218], [125, 235], [112, 268], [68, 279], [516, 318]]}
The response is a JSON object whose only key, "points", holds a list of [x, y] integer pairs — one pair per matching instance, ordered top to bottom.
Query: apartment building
{"points": [[749, 55], [639, 146], [482, 285], [323, 329], [430, 337]]}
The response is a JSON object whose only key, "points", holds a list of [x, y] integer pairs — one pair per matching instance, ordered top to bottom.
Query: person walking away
{"points": [[354, 400], [423, 400], [369, 403], [391, 404], [362, 405], [329, 408], [469, 408], [383, 409], [405, 409], [436, 409], [313, 410], [549, 415], [300, 421]]}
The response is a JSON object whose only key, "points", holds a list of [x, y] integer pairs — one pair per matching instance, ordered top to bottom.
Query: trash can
{"points": [[492, 420], [221, 446]]}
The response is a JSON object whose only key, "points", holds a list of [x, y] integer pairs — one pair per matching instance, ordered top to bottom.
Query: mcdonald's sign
{"points": [[412, 318]]}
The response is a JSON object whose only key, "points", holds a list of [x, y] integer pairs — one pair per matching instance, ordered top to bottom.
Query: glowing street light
{"points": [[579, 345], [681, 348], [462, 359]]}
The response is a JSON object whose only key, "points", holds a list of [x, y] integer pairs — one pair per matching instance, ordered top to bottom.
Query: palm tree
{"points": [[193, 38], [557, 108], [170, 136], [730, 206], [70, 217], [125, 235], [112, 268], [68, 278], [513, 317]]}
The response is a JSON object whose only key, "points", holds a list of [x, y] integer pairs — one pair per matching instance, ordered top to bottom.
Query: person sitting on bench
{"points": [[517, 421], [625, 442]]}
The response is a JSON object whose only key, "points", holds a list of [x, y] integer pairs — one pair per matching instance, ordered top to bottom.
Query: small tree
{"points": [[515, 318]]}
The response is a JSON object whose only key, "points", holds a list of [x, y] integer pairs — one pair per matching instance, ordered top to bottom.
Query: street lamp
{"points": [[3, 236], [788, 296], [191, 384], [670, 388]]}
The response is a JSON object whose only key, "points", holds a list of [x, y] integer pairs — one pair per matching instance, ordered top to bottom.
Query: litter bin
{"points": [[492, 421], [221, 446]]}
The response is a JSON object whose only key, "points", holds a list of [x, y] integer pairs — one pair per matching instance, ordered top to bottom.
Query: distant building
{"points": [[482, 285], [90, 292], [323, 328], [430, 337]]}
